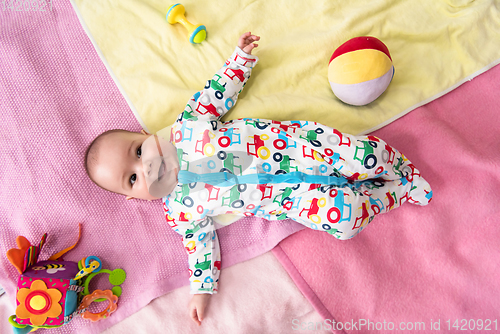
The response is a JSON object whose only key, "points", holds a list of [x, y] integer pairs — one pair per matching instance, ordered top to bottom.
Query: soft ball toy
{"points": [[360, 70]]}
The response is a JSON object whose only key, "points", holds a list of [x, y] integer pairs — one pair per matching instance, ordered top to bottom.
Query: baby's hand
{"points": [[246, 44], [197, 307]]}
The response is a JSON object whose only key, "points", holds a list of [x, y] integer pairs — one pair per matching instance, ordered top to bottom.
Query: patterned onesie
{"points": [[313, 174]]}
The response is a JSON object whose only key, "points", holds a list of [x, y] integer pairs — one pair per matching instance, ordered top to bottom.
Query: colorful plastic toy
{"points": [[175, 14], [360, 70], [50, 292], [95, 296]]}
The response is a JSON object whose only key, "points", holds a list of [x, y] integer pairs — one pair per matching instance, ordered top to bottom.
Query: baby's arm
{"points": [[221, 92], [202, 245], [197, 307]]}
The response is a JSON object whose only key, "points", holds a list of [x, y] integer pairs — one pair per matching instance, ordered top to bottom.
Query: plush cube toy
{"points": [[50, 293], [47, 295]]}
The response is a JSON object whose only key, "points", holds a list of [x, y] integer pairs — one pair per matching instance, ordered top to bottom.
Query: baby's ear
{"points": [[144, 132]]}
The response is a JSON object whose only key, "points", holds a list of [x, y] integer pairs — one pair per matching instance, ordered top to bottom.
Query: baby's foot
{"points": [[420, 192]]}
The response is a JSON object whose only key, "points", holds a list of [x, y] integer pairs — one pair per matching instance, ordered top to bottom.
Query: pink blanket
{"points": [[55, 97], [421, 266], [249, 302]]}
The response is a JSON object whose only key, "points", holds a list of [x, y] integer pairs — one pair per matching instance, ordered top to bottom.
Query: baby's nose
{"points": [[148, 168]]}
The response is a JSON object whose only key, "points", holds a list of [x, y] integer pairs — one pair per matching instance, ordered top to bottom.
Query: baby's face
{"points": [[131, 164]]}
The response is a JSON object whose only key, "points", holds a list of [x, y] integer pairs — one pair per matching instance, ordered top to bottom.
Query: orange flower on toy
{"points": [[38, 303]]}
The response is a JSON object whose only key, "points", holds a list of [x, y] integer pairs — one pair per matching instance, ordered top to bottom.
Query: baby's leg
{"points": [[355, 157], [366, 157], [344, 212]]}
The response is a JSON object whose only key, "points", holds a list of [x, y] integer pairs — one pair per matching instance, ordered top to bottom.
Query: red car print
{"points": [[241, 60], [235, 73], [207, 108], [332, 139], [206, 148], [259, 150], [388, 154], [267, 191], [213, 192], [312, 211], [364, 219], [170, 221]]}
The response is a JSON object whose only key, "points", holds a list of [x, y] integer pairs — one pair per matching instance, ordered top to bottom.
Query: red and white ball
{"points": [[360, 70]]}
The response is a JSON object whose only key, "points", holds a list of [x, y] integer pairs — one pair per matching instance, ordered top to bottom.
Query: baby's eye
{"points": [[139, 151], [133, 178]]}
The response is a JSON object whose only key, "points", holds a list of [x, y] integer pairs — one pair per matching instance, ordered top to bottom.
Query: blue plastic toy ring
{"points": [[93, 258]]}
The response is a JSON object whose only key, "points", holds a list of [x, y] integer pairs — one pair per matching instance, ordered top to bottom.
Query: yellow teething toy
{"points": [[175, 14], [87, 266], [87, 270]]}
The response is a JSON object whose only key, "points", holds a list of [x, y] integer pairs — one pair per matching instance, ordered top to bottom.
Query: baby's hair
{"points": [[90, 160]]}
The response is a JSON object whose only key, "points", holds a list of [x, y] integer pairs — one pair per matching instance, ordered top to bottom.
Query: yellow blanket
{"points": [[435, 46]]}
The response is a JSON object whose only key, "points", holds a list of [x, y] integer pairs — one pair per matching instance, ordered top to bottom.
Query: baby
{"points": [[202, 167]]}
